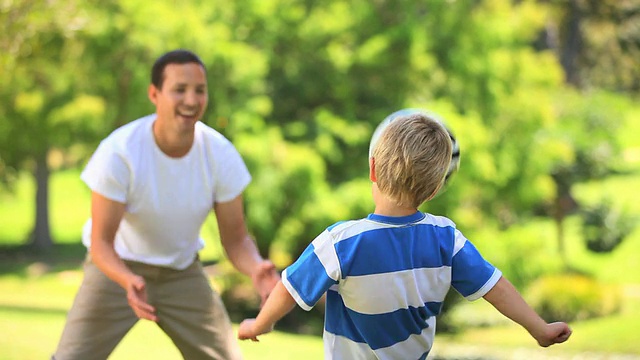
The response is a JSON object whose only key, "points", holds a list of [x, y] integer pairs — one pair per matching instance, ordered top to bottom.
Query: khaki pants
{"points": [[188, 310]]}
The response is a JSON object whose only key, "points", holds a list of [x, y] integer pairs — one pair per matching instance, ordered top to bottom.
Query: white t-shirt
{"points": [[167, 199]]}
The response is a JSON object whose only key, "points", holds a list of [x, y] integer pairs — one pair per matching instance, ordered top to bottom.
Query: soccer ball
{"points": [[455, 154]]}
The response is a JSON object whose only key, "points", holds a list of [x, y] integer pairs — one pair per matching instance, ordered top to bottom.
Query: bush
{"points": [[605, 227], [523, 253], [572, 297]]}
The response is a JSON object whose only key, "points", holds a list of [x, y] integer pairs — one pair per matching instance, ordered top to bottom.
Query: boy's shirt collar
{"points": [[397, 220]]}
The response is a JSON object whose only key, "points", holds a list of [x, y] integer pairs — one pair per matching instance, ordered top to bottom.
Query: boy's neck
{"points": [[388, 209]]}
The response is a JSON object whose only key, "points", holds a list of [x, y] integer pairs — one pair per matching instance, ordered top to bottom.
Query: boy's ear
{"points": [[372, 169]]}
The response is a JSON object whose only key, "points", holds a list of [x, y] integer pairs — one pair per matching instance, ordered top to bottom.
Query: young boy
{"points": [[386, 276]]}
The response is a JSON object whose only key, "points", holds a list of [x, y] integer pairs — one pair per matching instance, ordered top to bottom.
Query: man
{"points": [[153, 184]]}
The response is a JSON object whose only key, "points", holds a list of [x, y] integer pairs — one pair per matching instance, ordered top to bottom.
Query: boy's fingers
{"points": [[252, 338]]}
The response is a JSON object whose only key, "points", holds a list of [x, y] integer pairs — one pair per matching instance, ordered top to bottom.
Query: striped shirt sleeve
{"points": [[313, 273], [471, 275]]}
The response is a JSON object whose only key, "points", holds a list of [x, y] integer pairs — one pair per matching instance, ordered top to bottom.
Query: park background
{"points": [[542, 96]]}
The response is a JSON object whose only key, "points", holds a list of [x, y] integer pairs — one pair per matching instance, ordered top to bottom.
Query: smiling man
{"points": [[153, 183]]}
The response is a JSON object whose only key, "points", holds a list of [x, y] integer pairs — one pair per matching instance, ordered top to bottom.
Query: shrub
{"points": [[605, 227], [572, 297]]}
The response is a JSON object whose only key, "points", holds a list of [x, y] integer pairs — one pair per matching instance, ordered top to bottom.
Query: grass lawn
{"points": [[34, 307], [33, 310], [33, 333], [616, 334]]}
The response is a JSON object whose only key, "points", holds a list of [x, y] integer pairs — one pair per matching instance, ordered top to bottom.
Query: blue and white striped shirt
{"points": [[386, 279]]}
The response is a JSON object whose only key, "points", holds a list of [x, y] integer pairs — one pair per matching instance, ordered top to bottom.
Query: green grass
{"points": [[69, 208], [16, 212], [35, 308], [33, 334], [616, 334]]}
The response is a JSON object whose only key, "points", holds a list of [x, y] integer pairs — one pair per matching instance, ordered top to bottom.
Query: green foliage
{"points": [[598, 42], [300, 86], [45, 87], [591, 123], [285, 177], [523, 252], [572, 297]]}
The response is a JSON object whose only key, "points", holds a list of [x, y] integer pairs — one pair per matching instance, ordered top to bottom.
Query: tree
{"points": [[597, 42], [598, 46], [71, 71], [321, 84], [46, 105], [589, 129]]}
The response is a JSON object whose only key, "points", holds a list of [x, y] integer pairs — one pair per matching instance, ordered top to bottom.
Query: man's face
{"points": [[182, 100]]}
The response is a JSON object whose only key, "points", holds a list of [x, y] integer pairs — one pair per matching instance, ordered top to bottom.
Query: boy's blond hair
{"points": [[411, 159]]}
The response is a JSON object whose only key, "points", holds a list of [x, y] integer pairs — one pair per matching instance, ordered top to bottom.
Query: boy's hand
{"points": [[247, 330], [555, 333]]}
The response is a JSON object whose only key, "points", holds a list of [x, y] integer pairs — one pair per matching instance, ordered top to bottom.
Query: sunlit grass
{"points": [[69, 206], [17, 210], [34, 308], [616, 333], [33, 334], [611, 334]]}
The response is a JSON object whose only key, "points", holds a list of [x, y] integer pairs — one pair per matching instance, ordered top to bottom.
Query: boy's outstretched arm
{"points": [[504, 297], [278, 304]]}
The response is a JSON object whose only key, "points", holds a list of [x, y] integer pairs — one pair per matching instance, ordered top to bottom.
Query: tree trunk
{"points": [[572, 44], [564, 205], [559, 220], [41, 235]]}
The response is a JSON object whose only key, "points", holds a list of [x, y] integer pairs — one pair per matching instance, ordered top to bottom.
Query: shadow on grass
{"points": [[18, 259], [16, 309]]}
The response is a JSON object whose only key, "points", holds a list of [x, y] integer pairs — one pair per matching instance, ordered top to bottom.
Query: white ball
{"points": [[455, 154]]}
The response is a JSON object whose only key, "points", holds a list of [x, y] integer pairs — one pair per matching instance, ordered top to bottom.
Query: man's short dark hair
{"points": [[179, 56]]}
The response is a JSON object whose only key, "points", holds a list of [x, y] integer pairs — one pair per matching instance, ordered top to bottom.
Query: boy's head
{"points": [[411, 159]]}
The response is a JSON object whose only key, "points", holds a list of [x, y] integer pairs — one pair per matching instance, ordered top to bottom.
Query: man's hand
{"points": [[264, 278], [137, 298]]}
